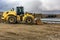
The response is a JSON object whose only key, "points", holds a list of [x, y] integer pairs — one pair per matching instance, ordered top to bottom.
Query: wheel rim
{"points": [[11, 20], [29, 20]]}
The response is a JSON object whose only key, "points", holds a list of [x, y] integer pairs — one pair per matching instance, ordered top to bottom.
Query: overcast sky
{"points": [[30, 5]]}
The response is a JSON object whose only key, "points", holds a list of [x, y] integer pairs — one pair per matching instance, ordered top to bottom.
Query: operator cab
{"points": [[20, 10]]}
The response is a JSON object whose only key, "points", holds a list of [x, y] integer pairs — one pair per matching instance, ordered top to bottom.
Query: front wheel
{"points": [[29, 20]]}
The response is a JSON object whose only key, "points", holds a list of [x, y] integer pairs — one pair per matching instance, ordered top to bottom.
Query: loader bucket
{"points": [[39, 22]]}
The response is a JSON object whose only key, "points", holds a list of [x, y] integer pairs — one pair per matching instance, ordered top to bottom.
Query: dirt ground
{"points": [[29, 32]]}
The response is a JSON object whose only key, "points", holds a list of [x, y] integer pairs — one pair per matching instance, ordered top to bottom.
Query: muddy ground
{"points": [[29, 32]]}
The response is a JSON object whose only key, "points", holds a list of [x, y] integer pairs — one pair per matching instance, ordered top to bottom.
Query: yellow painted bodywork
{"points": [[5, 15], [28, 15]]}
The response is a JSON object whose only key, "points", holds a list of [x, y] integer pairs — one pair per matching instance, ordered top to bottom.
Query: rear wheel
{"points": [[12, 19], [29, 20]]}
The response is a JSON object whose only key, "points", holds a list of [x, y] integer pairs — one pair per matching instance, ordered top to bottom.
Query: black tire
{"points": [[12, 19], [29, 20]]}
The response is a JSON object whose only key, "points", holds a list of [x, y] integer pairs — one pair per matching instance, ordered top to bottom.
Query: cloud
{"points": [[51, 4], [7, 5], [30, 5]]}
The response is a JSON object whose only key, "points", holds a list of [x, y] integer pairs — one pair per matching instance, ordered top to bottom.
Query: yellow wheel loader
{"points": [[19, 16]]}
